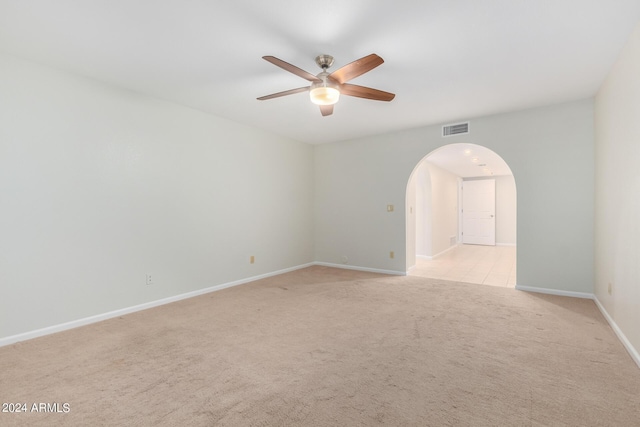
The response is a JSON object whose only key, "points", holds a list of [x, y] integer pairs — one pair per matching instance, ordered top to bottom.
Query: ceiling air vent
{"points": [[456, 129]]}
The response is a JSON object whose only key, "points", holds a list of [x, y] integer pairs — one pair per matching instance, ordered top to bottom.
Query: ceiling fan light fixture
{"points": [[324, 92], [324, 95]]}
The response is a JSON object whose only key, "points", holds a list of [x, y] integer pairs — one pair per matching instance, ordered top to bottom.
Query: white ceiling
{"points": [[445, 60], [469, 160]]}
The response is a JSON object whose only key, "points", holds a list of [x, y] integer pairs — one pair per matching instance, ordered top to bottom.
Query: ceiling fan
{"points": [[326, 88]]}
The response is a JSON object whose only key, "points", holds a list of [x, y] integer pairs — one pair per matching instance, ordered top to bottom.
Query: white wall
{"points": [[550, 152], [99, 186], [422, 191], [436, 194], [413, 205], [444, 208], [506, 210], [617, 249]]}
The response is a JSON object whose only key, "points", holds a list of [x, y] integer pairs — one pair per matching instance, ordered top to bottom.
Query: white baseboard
{"points": [[450, 248], [427, 257], [367, 269], [555, 292], [104, 316], [100, 317], [621, 336]]}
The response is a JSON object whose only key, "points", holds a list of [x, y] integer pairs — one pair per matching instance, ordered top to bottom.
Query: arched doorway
{"points": [[444, 183]]}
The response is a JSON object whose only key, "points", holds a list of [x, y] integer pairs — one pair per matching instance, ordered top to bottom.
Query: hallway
{"points": [[486, 265]]}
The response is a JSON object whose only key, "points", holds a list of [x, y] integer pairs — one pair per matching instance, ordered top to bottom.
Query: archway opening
{"points": [[461, 217]]}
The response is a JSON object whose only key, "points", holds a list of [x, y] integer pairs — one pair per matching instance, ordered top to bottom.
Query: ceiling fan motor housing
{"points": [[324, 61]]}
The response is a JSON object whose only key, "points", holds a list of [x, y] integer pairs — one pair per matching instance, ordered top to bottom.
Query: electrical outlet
{"points": [[389, 208], [392, 255], [252, 259], [149, 279], [610, 288]]}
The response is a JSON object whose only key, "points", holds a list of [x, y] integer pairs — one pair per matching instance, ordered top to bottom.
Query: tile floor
{"points": [[486, 265]]}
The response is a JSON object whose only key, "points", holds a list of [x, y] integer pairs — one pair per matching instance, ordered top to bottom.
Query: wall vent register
{"points": [[457, 129]]}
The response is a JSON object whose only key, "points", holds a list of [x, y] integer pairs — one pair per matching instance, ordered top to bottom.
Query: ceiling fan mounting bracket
{"points": [[324, 61]]}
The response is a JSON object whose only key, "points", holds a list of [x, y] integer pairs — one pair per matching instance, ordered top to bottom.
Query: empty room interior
{"points": [[301, 213]]}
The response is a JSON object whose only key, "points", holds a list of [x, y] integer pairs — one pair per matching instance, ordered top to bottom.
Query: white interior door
{"points": [[479, 212]]}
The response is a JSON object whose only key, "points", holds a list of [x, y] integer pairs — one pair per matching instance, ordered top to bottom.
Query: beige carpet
{"points": [[322, 347]]}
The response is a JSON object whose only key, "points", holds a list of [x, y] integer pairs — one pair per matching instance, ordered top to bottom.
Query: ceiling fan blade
{"points": [[291, 68], [356, 68], [366, 92], [284, 93], [326, 110]]}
